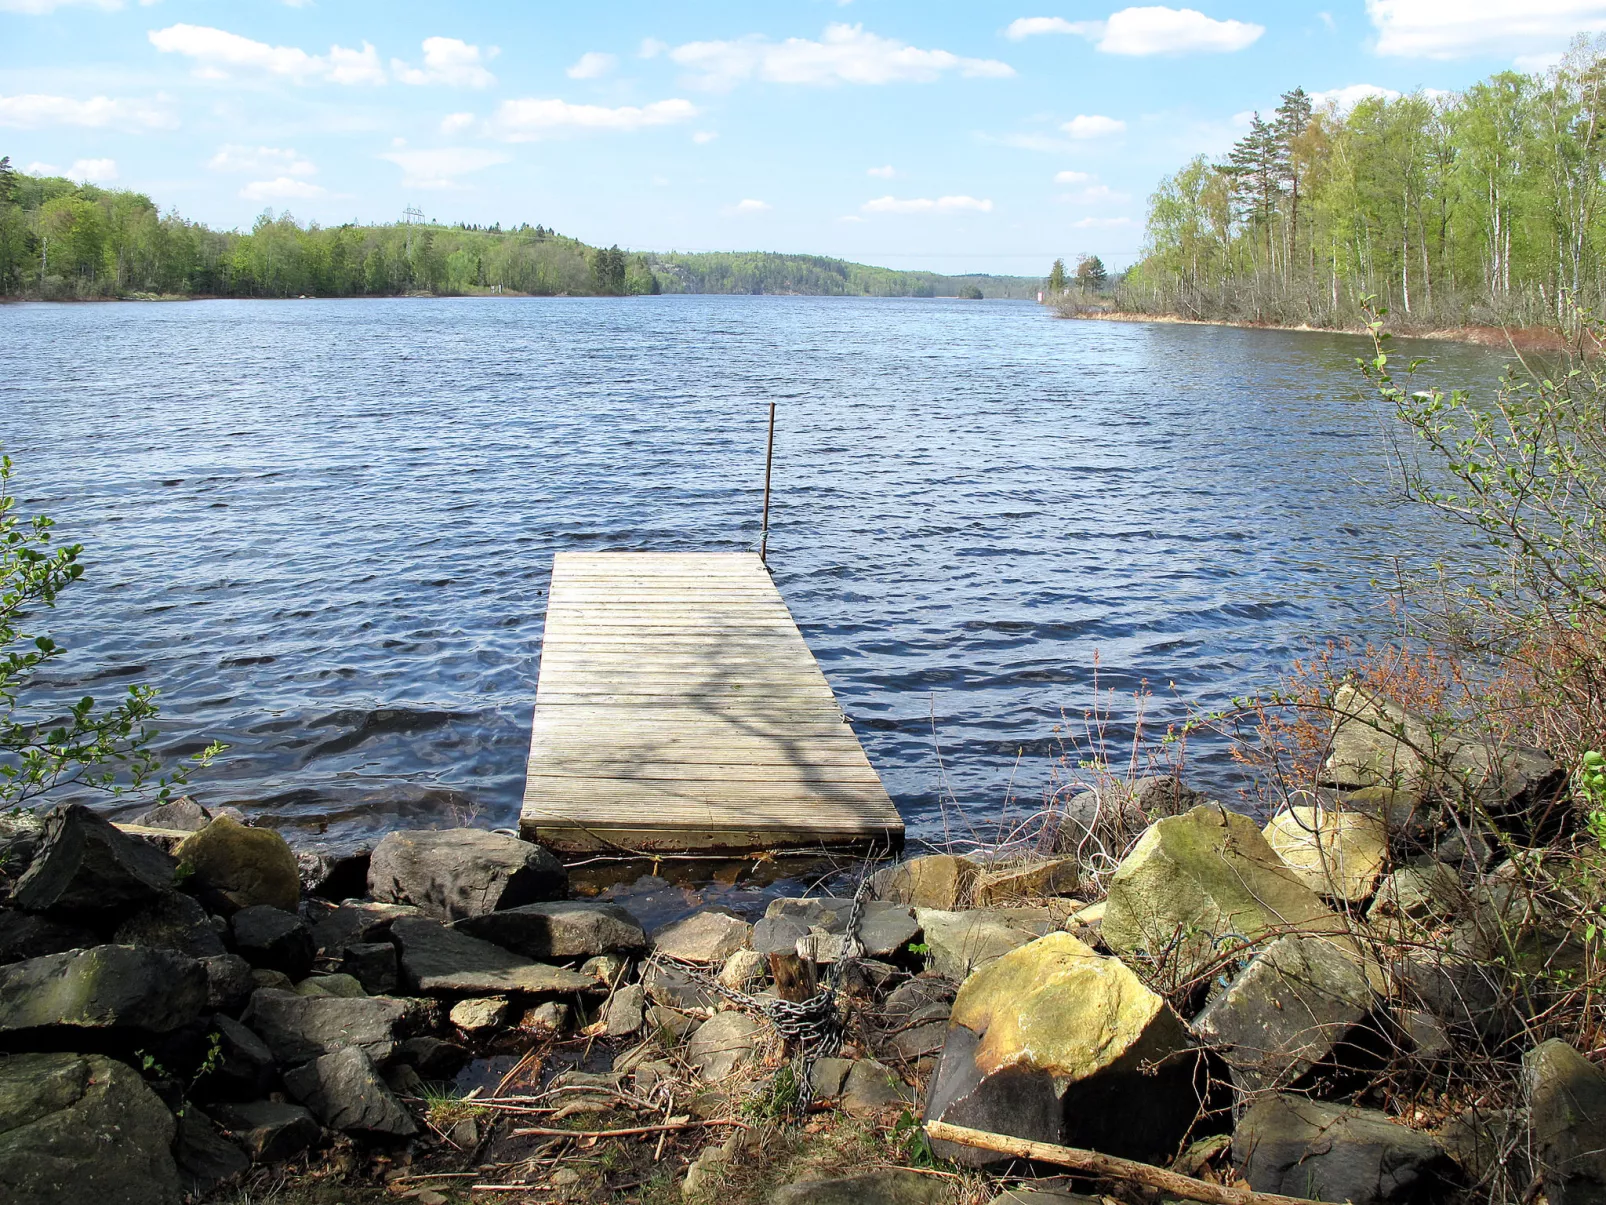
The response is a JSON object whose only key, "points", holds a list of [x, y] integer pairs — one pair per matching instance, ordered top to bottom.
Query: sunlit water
{"points": [[324, 528]]}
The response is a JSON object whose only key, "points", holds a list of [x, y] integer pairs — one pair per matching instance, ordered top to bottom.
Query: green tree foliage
{"points": [[1479, 207], [1091, 274], [818, 275], [1056, 277], [46, 743]]}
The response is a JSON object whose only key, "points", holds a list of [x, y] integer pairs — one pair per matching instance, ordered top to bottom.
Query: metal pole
{"points": [[769, 459]]}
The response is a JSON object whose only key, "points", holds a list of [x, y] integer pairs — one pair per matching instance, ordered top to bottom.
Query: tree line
{"points": [[1483, 206], [62, 240]]}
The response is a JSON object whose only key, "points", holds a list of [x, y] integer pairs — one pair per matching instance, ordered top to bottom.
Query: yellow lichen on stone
{"points": [[1337, 854]]}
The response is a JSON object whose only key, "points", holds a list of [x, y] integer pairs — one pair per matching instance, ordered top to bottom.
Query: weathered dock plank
{"points": [[680, 710]]}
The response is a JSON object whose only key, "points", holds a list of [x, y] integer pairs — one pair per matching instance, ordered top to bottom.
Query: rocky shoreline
{"points": [[1363, 999]]}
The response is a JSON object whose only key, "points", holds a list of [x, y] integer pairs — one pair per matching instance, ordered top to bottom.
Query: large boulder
{"points": [[1338, 854], [234, 867], [86, 868], [457, 872], [1196, 880], [940, 881], [1032, 881], [172, 921], [358, 922], [559, 930], [883, 930], [29, 935], [706, 936], [958, 943], [438, 961], [104, 987], [1286, 1012], [301, 1028], [1055, 1043], [243, 1067], [345, 1091], [1567, 1111], [82, 1128], [1327, 1152], [205, 1157]]}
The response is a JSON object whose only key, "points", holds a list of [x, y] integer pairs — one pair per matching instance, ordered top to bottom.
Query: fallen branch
{"points": [[630, 1133], [1108, 1167]]}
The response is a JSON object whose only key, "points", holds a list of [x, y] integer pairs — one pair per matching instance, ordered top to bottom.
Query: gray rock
{"points": [[182, 815], [20, 834], [1466, 850], [233, 865], [85, 867], [458, 872], [334, 876], [940, 881], [1419, 893], [172, 921], [358, 922], [884, 928], [559, 930], [26, 935], [778, 935], [703, 937], [276, 940], [961, 942], [436, 960], [372, 964], [605, 968], [744, 969], [277, 980], [228, 983], [669, 985], [104, 987], [1459, 992], [1285, 1012], [625, 1013], [480, 1015], [549, 1018], [300, 1028], [921, 1033], [1429, 1039], [724, 1043], [433, 1058], [244, 1067], [826, 1077], [871, 1088], [345, 1092], [1567, 1110], [83, 1128], [269, 1131], [1491, 1145], [1298, 1147], [206, 1159], [894, 1186], [1042, 1196]]}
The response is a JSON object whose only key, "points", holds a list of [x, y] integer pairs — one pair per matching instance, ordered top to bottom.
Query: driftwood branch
{"points": [[631, 1132], [1108, 1167]]}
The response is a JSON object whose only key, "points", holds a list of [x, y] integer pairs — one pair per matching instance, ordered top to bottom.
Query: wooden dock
{"points": [[680, 711]]}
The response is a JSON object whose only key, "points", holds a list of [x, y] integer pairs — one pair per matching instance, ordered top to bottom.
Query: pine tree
{"points": [[1255, 165], [1090, 273], [1056, 277]]}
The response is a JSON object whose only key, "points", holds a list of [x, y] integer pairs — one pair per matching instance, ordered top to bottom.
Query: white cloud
{"points": [[36, 7], [1148, 29], [1446, 29], [651, 48], [216, 50], [845, 54], [448, 61], [1537, 64], [592, 65], [1346, 98], [32, 111], [529, 119], [456, 123], [1085, 125], [701, 137], [256, 160], [440, 168], [42, 169], [95, 171], [882, 173], [1071, 177], [281, 188], [1094, 194], [749, 205], [927, 205], [1102, 223]]}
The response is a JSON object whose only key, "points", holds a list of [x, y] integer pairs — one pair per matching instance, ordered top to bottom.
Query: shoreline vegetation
{"points": [[67, 241]]}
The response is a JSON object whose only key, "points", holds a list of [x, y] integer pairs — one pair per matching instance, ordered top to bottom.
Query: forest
{"points": [[1451, 209], [61, 240]]}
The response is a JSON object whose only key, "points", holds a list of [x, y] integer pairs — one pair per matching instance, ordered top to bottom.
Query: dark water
{"points": [[325, 529]]}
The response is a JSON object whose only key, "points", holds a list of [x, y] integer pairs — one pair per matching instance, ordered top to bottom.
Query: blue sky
{"points": [[957, 137]]}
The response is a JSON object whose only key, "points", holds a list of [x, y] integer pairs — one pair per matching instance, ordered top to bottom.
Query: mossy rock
{"points": [[235, 867]]}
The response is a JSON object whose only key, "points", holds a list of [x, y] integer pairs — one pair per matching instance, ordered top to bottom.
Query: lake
{"points": [[324, 528]]}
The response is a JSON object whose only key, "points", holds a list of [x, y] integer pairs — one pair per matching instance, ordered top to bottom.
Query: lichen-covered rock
{"points": [[1339, 854], [234, 867], [86, 868], [458, 872], [1207, 875], [939, 881], [1034, 881], [1427, 892], [559, 929], [884, 929], [706, 936], [275, 939], [958, 943], [439, 961], [103, 987], [1286, 1011], [479, 1014], [300, 1028], [1055, 1043], [721, 1045], [345, 1091], [1567, 1109], [82, 1128], [1327, 1152]]}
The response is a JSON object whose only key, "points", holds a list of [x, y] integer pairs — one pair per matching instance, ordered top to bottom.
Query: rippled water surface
{"points": [[325, 528]]}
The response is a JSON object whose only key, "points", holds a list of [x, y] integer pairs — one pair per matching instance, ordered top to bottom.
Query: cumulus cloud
{"points": [[38, 7], [1447, 29], [1147, 30], [216, 52], [845, 54], [448, 61], [592, 65], [1346, 98], [33, 111], [529, 119], [456, 123], [1093, 125], [704, 136], [260, 160], [440, 168], [42, 169], [95, 171], [883, 173], [1072, 177], [281, 188], [1094, 194], [749, 205], [927, 205], [1102, 223]]}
